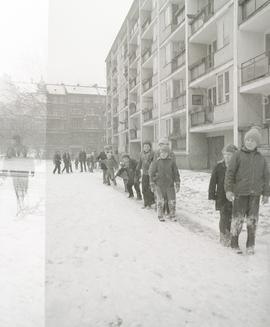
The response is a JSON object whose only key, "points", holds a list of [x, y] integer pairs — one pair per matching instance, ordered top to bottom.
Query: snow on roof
{"points": [[27, 87], [56, 89], [85, 90]]}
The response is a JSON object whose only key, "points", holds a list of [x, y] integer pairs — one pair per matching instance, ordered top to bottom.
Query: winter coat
{"points": [[157, 155], [82, 156], [66, 157], [102, 158], [57, 159], [145, 161], [111, 163], [164, 173], [133, 174], [247, 174], [216, 189]]}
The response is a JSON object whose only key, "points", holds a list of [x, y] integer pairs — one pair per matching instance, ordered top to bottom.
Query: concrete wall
{"points": [[250, 109], [198, 149]]}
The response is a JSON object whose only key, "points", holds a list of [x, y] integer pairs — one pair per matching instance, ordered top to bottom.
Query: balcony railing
{"points": [[248, 8], [202, 17], [178, 18], [146, 24], [134, 28], [133, 56], [178, 61], [202, 67], [256, 68], [114, 71], [133, 82], [148, 84], [114, 90], [179, 102], [132, 108], [115, 110], [147, 115], [203, 116], [133, 134]]}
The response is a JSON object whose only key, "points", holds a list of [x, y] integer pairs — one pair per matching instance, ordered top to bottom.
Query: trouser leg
{"points": [[130, 189], [138, 190], [171, 196], [160, 202], [239, 212], [252, 220], [225, 223]]}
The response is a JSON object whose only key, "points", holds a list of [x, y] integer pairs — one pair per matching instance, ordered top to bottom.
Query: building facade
{"points": [[195, 71], [75, 118]]}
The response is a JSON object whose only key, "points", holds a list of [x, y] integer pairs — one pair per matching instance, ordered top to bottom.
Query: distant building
{"points": [[195, 71], [75, 118]]}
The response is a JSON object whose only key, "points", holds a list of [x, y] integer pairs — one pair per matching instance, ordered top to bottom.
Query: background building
{"points": [[195, 71], [75, 118]]}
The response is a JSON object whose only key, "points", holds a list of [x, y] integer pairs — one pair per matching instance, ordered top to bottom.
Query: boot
{"points": [[172, 205], [160, 211]]}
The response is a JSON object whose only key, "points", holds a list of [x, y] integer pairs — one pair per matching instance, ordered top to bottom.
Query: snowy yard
{"points": [[109, 263]]}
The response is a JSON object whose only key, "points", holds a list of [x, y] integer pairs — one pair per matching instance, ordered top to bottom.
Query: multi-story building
{"points": [[195, 71], [75, 118]]}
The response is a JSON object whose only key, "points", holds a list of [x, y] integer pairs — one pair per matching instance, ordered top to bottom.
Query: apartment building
{"points": [[195, 71], [75, 118]]}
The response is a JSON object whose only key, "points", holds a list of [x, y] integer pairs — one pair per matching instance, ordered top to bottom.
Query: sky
{"points": [[81, 33], [23, 39], [60, 40]]}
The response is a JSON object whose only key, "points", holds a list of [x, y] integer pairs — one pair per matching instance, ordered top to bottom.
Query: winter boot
{"points": [[172, 205], [160, 206], [250, 250]]}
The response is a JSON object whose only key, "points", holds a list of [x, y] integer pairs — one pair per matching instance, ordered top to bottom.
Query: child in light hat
{"points": [[165, 180], [246, 180], [217, 193]]}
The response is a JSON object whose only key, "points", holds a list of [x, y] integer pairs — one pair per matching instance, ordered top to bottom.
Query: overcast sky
{"points": [[80, 35]]}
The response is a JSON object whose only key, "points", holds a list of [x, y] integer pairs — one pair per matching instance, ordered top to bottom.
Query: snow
{"points": [[110, 263]]}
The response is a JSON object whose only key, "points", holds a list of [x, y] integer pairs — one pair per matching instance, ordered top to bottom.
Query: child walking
{"points": [[111, 165], [165, 180], [246, 180], [217, 193]]}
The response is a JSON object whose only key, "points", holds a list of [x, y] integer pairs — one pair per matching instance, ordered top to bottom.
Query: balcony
{"points": [[249, 9], [178, 18], [205, 20], [146, 24], [134, 29], [133, 56], [214, 60], [178, 61], [114, 71], [255, 74], [133, 82], [149, 83], [114, 91], [179, 102], [132, 108], [147, 115], [201, 116], [123, 125], [135, 134]]}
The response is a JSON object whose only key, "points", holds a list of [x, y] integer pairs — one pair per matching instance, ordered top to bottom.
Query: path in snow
{"points": [[109, 263]]}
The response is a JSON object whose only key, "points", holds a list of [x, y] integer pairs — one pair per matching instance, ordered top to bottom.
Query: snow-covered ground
{"points": [[22, 254], [109, 263]]}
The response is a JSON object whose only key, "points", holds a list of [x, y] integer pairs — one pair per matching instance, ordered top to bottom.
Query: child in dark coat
{"points": [[111, 165], [130, 167], [164, 178], [246, 180], [216, 192]]}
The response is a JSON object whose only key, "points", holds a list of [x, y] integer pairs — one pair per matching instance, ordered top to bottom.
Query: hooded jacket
{"points": [[247, 174]]}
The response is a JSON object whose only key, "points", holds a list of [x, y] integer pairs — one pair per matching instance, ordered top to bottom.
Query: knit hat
{"points": [[254, 134], [163, 140], [165, 148], [230, 148], [125, 155]]}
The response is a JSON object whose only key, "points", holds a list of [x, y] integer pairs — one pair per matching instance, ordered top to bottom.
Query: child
{"points": [[146, 157], [111, 164], [130, 167], [123, 174], [163, 175], [247, 178], [216, 192]]}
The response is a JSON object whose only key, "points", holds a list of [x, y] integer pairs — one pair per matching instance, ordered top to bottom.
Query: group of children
{"points": [[160, 176], [237, 184]]}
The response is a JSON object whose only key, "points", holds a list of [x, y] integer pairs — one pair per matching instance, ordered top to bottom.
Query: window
{"points": [[167, 17], [167, 53], [223, 85], [227, 86], [220, 89], [167, 92], [197, 100], [267, 108], [168, 127]]}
